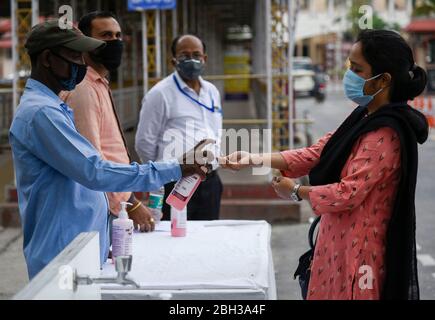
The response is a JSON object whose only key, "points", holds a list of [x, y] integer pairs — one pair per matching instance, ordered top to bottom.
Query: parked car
{"points": [[309, 80]]}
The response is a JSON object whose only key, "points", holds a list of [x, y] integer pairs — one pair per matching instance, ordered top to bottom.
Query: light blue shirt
{"points": [[61, 178]]}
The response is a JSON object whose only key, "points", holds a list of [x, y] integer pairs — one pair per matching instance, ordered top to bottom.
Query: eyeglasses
{"points": [[195, 56]]}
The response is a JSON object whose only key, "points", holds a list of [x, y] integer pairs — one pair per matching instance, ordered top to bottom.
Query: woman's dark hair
{"points": [[85, 23], [387, 51]]}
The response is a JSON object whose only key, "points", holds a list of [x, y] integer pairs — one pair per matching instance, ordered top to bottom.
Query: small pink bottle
{"points": [[183, 191], [178, 222]]}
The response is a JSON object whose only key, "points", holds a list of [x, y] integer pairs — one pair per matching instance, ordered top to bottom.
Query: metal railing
{"points": [[128, 103]]}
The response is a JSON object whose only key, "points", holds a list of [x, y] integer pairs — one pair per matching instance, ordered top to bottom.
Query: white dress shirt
{"points": [[174, 118]]}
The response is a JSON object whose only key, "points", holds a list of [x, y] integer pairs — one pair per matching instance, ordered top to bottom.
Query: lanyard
{"points": [[211, 109]]}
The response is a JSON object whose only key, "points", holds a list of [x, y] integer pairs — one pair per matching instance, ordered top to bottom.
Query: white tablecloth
{"points": [[228, 259]]}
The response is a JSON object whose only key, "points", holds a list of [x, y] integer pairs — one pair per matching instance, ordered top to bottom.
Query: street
{"points": [[328, 117]]}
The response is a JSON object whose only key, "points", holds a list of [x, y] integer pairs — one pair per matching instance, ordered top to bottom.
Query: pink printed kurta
{"points": [[355, 214]]}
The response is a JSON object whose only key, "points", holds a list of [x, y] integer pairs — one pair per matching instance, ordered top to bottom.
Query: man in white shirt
{"points": [[178, 112]]}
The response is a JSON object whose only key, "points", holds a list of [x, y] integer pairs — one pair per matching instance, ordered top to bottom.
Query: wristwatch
{"points": [[294, 195]]}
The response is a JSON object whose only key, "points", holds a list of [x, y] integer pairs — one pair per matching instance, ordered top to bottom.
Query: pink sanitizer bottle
{"points": [[183, 191], [178, 222]]}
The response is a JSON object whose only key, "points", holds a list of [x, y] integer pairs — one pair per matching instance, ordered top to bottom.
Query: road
{"points": [[328, 116]]}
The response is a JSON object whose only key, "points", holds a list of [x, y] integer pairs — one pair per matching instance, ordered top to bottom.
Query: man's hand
{"points": [[197, 160], [239, 160], [283, 186], [142, 218]]}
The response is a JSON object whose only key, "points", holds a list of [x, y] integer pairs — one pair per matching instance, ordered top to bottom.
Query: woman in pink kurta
{"points": [[363, 178], [355, 214]]}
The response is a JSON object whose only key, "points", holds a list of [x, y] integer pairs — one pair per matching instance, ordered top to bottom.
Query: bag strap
{"points": [[311, 232]]}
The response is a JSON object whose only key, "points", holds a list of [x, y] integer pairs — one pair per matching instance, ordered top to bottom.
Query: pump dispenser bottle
{"points": [[122, 233]]}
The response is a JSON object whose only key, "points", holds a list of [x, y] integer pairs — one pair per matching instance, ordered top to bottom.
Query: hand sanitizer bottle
{"points": [[185, 188], [183, 191], [178, 222], [122, 233]]}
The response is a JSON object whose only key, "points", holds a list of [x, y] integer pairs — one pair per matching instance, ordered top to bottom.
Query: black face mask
{"points": [[109, 56]]}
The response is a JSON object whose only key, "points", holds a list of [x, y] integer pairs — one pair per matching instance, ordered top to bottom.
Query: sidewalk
{"points": [[12, 265]]}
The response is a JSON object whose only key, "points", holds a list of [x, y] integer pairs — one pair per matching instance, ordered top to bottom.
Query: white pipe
{"points": [[330, 7], [409, 7], [74, 8], [391, 8], [35, 12], [185, 16], [174, 22], [164, 42], [158, 45], [290, 47], [144, 52], [14, 55], [134, 69], [269, 69]]}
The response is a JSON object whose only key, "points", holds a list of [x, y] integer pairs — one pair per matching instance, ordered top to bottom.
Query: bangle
{"points": [[138, 204]]}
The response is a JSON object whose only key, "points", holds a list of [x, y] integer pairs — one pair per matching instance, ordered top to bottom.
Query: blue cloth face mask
{"points": [[77, 74], [353, 86]]}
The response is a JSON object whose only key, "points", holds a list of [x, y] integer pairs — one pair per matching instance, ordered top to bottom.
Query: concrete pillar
{"points": [[409, 7], [330, 8], [391, 8]]}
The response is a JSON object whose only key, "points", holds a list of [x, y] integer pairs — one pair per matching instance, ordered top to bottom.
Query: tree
{"points": [[426, 8]]}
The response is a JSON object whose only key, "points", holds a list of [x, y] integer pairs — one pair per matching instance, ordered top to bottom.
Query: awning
{"points": [[5, 25], [421, 26]]}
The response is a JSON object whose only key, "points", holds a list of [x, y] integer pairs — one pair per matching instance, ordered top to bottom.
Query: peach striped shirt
{"points": [[95, 119]]}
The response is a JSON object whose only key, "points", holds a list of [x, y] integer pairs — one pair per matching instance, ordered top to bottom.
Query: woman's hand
{"points": [[242, 159], [236, 161], [283, 186]]}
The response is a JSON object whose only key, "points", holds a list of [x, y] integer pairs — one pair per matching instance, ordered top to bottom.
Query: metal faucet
{"points": [[122, 267]]}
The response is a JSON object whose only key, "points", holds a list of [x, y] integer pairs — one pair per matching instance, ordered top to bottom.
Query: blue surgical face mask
{"points": [[354, 88]]}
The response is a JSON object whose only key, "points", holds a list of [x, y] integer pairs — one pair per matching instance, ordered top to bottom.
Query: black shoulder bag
{"points": [[304, 267]]}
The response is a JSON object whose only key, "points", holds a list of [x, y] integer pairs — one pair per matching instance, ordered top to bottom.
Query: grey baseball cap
{"points": [[48, 34]]}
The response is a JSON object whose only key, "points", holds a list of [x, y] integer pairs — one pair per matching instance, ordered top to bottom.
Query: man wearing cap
{"points": [[61, 178]]}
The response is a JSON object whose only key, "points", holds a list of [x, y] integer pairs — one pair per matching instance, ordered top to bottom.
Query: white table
{"points": [[222, 259]]}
